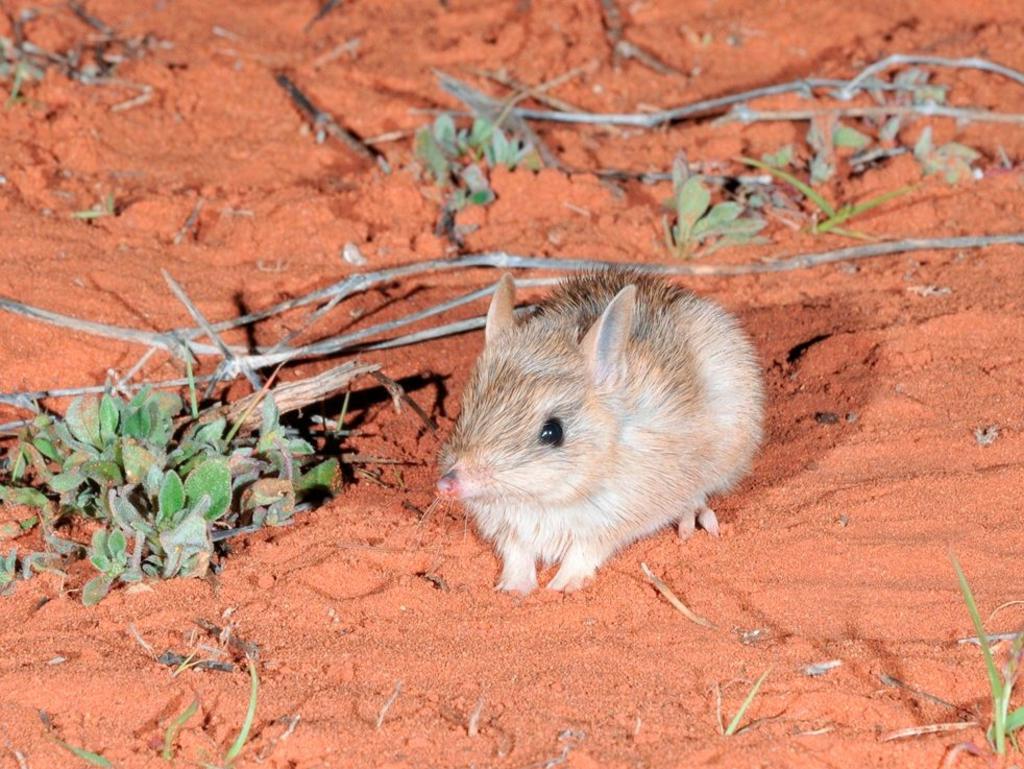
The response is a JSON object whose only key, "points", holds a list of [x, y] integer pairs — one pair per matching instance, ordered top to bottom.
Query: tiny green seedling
{"points": [[455, 157], [953, 160], [104, 208], [833, 217], [697, 221], [155, 484], [8, 571], [250, 714], [1005, 723], [734, 724], [174, 727], [94, 759]]}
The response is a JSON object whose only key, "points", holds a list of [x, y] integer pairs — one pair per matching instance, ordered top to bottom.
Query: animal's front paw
{"points": [[569, 582], [521, 585]]}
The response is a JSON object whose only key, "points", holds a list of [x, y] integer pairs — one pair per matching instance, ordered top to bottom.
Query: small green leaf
{"points": [[890, 129], [444, 132], [480, 134], [850, 138], [924, 147], [502, 150], [430, 153], [782, 157], [680, 173], [474, 178], [481, 198], [692, 201], [722, 213], [168, 405], [109, 416], [271, 417], [83, 420], [137, 425], [211, 432], [46, 448], [300, 448], [137, 461], [103, 472], [325, 477], [212, 478], [66, 481], [266, 491], [24, 496], [172, 497], [126, 515], [190, 538], [116, 545], [95, 590], [1015, 720]]}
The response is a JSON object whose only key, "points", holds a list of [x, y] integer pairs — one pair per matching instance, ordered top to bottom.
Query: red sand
{"points": [[836, 548]]}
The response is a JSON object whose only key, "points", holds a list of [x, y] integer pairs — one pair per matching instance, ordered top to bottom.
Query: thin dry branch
{"points": [[902, 59], [842, 89], [498, 113], [745, 115], [322, 121], [358, 283], [138, 336], [230, 359], [399, 395], [292, 396], [672, 598], [387, 704], [920, 731]]}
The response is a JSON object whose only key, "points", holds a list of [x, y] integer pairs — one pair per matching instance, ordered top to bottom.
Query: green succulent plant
{"points": [[456, 157], [697, 221], [158, 483]]}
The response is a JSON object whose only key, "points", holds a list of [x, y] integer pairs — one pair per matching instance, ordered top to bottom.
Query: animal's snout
{"points": [[448, 484]]}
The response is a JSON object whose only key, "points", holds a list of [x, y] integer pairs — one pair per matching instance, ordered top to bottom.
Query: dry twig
{"points": [[323, 121], [672, 598], [920, 731]]}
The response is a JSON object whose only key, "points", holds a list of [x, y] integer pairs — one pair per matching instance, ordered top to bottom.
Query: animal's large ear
{"points": [[499, 314], [604, 345]]}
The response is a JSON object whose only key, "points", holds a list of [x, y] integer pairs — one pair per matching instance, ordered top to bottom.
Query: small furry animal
{"points": [[619, 405]]}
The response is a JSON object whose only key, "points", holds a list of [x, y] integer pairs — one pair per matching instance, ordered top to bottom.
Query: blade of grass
{"points": [[19, 78], [808, 192], [849, 212], [856, 234], [191, 386], [252, 407], [340, 428], [994, 682], [250, 714], [735, 723], [174, 727], [86, 755]]}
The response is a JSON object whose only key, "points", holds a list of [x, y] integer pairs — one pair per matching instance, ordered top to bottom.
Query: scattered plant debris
{"points": [[987, 435]]}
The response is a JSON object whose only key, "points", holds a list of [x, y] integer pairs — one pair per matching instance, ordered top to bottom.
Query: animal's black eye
{"points": [[551, 434]]}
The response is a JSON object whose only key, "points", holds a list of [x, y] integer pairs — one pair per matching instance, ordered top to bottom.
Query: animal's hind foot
{"points": [[702, 516]]}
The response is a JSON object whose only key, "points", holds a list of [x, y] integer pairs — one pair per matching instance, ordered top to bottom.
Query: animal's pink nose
{"points": [[448, 484]]}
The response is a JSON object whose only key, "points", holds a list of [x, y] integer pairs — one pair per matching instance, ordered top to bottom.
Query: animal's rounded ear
{"points": [[499, 314], [604, 345]]}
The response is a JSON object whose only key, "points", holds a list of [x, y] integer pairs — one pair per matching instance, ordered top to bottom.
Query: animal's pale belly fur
{"points": [[627, 506]]}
